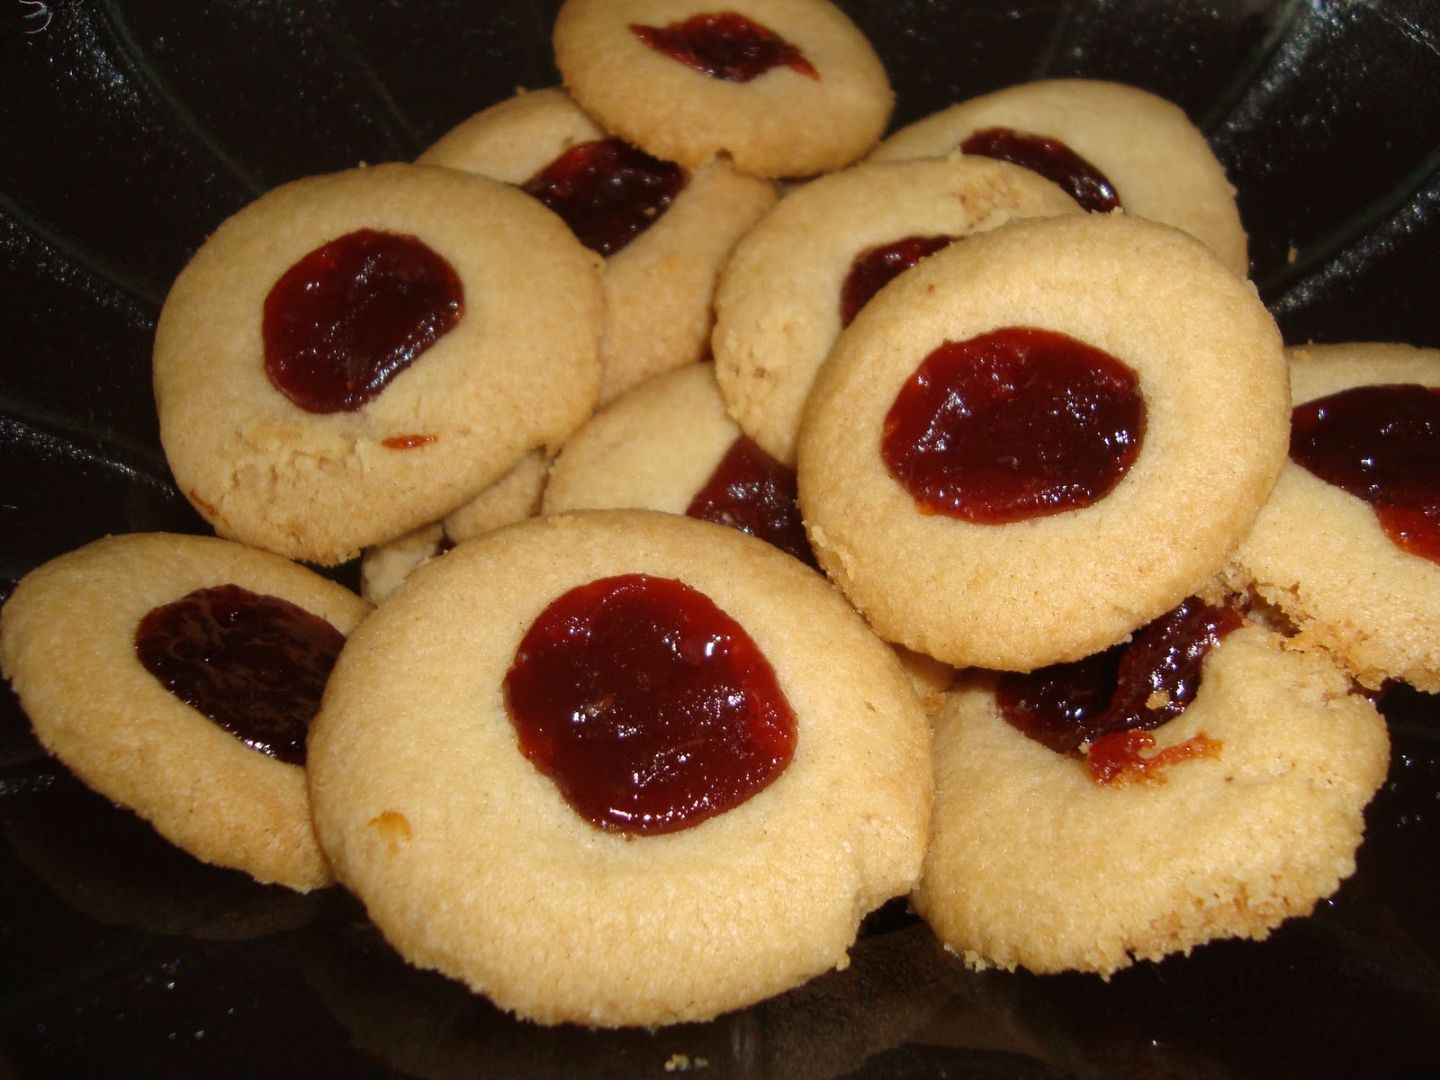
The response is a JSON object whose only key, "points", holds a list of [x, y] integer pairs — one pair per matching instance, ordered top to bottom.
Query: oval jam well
{"points": [[725, 45], [1052, 159], [607, 191], [874, 268], [353, 314], [1015, 424], [1380, 444], [753, 492], [256, 665], [1104, 707], [650, 708]]}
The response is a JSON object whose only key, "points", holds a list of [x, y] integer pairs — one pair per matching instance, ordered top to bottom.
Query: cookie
{"points": [[796, 89], [1156, 161], [792, 281], [659, 285], [281, 447], [1321, 555], [1048, 576], [68, 643], [471, 860], [1034, 864]]}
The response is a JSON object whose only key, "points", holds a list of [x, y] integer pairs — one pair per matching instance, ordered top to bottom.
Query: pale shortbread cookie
{"points": [[781, 124], [1158, 162], [659, 287], [778, 303], [518, 371], [1319, 555], [1021, 595], [67, 643], [470, 861], [1033, 864]]}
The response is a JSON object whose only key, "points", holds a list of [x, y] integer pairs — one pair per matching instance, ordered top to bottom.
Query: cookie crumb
{"points": [[679, 1062]]}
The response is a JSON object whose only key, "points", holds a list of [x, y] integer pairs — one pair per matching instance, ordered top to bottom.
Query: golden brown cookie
{"points": [[821, 105], [1157, 161], [779, 303], [1207, 364], [517, 371], [68, 645], [470, 860]]}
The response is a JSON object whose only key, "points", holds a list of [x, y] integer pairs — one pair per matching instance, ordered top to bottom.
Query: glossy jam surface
{"points": [[725, 45], [1052, 159], [607, 191], [874, 268], [354, 313], [1018, 423], [1381, 444], [751, 491], [254, 664], [649, 707], [1103, 707]]}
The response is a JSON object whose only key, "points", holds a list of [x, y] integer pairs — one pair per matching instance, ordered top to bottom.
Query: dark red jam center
{"points": [[725, 45], [1052, 159], [607, 191], [873, 269], [354, 313], [1014, 424], [1381, 444], [751, 491], [256, 665], [649, 707], [1102, 707]]}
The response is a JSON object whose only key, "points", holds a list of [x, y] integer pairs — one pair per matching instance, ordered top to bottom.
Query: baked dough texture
{"points": [[781, 124], [1158, 161], [659, 287], [778, 303], [518, 371], [1319, 555], [1021, 595], [67, 643], [471, 862], [1032, 864]]}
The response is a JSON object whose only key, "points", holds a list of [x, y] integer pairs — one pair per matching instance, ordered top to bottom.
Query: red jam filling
{"points": [[725, 45], [1052, 159], [607, 191], [873, 269], [354, 313], [1018, 423], [1381, 444], [751, 491], [256, 665], [649, 707], [1103, 708]]}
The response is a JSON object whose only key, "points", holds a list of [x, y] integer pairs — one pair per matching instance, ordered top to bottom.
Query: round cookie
{"points": [[783, 123], [1159, 163], [659, 286], [778, 306], [518, 370], [1319, 554], [1026, 593], [67, 643], [471, 861], [1033, 864]]}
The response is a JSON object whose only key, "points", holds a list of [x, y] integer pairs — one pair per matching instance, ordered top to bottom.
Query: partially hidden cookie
{"points": [[784, 88], [1136, 149], [664, 230], [801, 274], [354, 355], [1041, 438], [1324, 556], [87, 638], [1247, 810], [613, 889]]}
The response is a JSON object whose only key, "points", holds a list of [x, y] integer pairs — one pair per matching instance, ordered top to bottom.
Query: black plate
{"points": [[128, 131]]}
